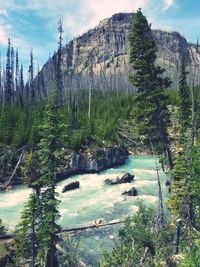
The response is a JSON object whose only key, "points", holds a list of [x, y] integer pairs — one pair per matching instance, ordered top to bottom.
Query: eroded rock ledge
{"points": [[93, 161]]}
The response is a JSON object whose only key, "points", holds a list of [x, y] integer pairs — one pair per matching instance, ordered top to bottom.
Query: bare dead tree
{"points": [[161, 214]]}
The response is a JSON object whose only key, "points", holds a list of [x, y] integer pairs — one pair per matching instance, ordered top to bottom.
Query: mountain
{"points": [[100, 57]]}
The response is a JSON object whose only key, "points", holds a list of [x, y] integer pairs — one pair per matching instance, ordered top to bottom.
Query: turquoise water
{"points": [[94, 201]]}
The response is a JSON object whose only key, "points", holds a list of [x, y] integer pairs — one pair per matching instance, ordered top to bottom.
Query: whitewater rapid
{"points": [[94, 200]]}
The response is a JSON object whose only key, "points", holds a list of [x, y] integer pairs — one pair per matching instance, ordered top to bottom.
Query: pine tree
{"points": [[12, 57], [31, 76], [59, 78], [1, 81], [8, 82], [21, 82], [18, 96], [185, 103], [150, 110], [50, 147], [39, 220], [2, 228], [26, 240]]}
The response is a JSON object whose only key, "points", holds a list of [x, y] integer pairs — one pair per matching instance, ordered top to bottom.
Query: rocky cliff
{"points": [[100, 57], [93, 161]]}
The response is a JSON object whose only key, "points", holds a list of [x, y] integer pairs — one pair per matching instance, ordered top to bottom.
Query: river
{"points": [[94, 201]]}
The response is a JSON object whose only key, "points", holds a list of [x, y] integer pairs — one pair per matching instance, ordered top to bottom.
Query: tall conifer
{"points": [[185, 103], [149, 110]]}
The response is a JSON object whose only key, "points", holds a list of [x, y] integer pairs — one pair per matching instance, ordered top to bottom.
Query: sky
{"points": [[32, 24]]}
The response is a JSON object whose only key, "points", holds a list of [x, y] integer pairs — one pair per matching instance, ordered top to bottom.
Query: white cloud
{"points": [[168, 4], [104, 8], [3, 13], [90, 14], [78, 16], [3, 36]]}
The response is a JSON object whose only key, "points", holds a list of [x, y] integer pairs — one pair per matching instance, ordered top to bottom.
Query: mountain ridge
{"points": [[99, 58]]}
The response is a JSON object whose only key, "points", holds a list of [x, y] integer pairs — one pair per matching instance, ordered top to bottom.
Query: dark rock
{"points": [[126, 178], [168, 183], [71, 186], [132, 192]]}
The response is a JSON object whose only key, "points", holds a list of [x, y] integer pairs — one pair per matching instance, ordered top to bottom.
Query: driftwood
{"points": [[125, 136], [6, 184], [84, 228], [72, 230], [6, 236], [142, 259]]}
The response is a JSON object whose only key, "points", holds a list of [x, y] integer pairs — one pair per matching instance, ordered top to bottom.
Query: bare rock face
{"points": [[100, 57], [93, 161]]}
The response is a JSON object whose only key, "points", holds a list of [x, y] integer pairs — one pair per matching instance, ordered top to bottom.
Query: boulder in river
{"points": [[126, 178], [71, 186], [132, 192]]}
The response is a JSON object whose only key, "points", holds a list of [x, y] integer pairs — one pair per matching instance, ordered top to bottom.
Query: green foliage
{"points": [[172, 97], [185, 102], [150, 103], [20, 125], [195, 179], [179, 192], [185, 192], [38, 226], [2, 228], [140, 232], [26, 240], [70, 254], [191, 256]]}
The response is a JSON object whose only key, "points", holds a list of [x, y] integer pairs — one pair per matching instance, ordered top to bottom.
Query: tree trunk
{"points": [[177, 237], [51, 257]]}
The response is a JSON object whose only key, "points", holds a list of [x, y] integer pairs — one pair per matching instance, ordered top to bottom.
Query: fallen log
{"points": [[125, 136], [6, 184], [93, 226], [72, 230], [7, 236], [143, 258]]}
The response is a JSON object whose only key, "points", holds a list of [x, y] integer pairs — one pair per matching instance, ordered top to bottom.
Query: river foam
{"points": [[94, 199]]}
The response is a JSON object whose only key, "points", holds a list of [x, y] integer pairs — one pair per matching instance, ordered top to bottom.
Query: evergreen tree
{"points": [[12, 57], [59, 78], [1, 81], [8, 82], [21, 82], [31, 85], [17, 86], [185, 103], [150, 110], [50, 147], [42, 210], [2, 228], [26, 241]]}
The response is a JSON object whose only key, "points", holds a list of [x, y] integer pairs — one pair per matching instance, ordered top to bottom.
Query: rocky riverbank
{"points": [[92, 161]]}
